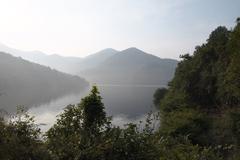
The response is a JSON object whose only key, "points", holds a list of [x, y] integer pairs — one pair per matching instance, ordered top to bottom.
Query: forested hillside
{"points": [[26, 83], [203, 98], [198, 119]]}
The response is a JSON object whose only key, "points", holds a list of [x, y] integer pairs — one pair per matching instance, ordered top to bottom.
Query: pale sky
{"points": [[166, 28]]}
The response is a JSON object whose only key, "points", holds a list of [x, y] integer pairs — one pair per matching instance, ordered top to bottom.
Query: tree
{"points": [[238, 20], [204, 93], [159, 95], [94, 116], [78, 129], [21, 138]]}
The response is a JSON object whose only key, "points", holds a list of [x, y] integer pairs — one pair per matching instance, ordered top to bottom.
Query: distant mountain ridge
{"points": [[94, 60], [63, 64], [109, 66], [132, 66], [26, 83]]}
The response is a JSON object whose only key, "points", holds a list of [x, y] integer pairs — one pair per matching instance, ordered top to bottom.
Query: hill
{"points": [[95, 59], [63, 64], [109, 66], [132, 66], [26, 83], [203, 99]]}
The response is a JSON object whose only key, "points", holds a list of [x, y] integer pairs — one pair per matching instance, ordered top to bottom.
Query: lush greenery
{"points": [[203, 99], [199, 117], [83, 132], [20, 138]]}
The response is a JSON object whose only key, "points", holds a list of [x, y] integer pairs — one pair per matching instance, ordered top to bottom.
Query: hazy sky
{"points": [[165, 28]]}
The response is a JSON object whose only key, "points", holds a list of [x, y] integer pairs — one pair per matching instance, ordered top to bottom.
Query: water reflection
{"points": [[125, 103], [45, 114]]}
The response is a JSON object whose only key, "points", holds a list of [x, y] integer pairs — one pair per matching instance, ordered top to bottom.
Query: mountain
{"points": [[101, 55], [94, 60], [64, 64], [71, 65], [109, 66], [132, 66], [28, 84]]}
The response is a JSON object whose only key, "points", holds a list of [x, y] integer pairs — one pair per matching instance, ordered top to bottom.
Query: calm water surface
{"points": [[124, 103]]}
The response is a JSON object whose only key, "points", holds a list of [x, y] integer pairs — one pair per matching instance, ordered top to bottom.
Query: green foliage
{"points": [[200, 76], [229, 91], [159, 95], [203, 98], [173, 100], [94, 116], [184, 122], [78, 128], [78, 135], [63, 137], [20, 138], [70, 138], [182, 149]]}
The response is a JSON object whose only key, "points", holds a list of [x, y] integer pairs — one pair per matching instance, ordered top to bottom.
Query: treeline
{"points": [[203, 99], [199, 117], [84, 132]]}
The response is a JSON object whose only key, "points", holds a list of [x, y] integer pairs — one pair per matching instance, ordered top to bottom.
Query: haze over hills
{"points": [[96, 59], [64, 64], [131, 66], [26, 83]]}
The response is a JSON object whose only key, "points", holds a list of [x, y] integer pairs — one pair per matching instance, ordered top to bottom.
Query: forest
{"points": [[198, 117]]}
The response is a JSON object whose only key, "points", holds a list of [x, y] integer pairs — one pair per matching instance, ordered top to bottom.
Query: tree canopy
{"points": [[203, 98]]}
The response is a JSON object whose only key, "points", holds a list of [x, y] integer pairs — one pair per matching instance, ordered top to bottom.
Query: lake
{"points": [[125, 103]]}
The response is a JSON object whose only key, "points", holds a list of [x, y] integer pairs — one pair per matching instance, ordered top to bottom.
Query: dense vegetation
{"points": [[203, 99], [199, 117], [84, 132]]}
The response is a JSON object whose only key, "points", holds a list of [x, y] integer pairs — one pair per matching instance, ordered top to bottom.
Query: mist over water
{"points": [[44, 88], [125, 103], [45, 114]]}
